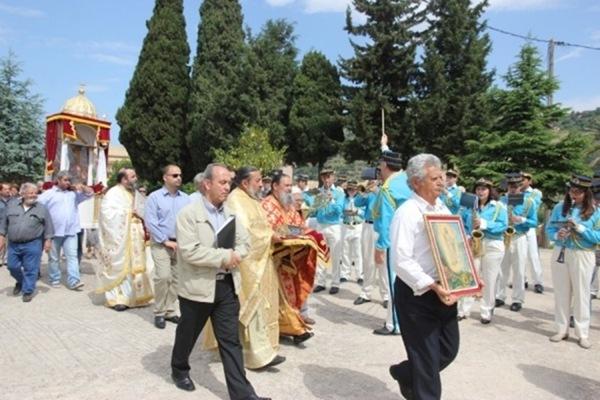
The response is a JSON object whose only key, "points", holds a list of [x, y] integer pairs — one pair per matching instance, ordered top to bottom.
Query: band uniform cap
{"points": [[391, 158], [327, 171], [452, 172], [527, 175], [302, 177], [514, 177], [342, 178], [580, 181], [484, 182], [352, 184]]}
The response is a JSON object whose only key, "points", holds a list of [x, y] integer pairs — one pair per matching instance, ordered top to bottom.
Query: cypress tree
{"points": [[272, 66], [381, 74], [451, 103], [218, 109], [153, 117], [316, 129], [524, 135]]}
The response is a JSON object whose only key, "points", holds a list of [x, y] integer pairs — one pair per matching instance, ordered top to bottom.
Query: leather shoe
{"points": [[343, 279], [360, 281], [538, 288], [17, 289], [318, 289], [334, 290], [27, 297], [361, 300], [499, 303], [385, 304], [120, 307], [516, 307], [461, 317], [174, 319], [309, 320], [485, 321], [159, 322], [384, 331], [302, 338], [275, 361], [184, 382], [405, 388], [254, 397]]}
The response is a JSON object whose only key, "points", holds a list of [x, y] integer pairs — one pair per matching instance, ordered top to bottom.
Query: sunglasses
{"points": [[175, 175]]}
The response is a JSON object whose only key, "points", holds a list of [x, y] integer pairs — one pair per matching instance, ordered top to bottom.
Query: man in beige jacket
{"points": [[209, 283]]}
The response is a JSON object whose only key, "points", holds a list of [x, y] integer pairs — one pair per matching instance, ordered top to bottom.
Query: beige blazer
{"points": [[197, 259]]}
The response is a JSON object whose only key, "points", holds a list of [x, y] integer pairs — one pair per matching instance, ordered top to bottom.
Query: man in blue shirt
{"points": [[62, 202], [161, 211], [532, 245]]}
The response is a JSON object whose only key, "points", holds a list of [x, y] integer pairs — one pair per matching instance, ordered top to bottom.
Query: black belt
{"points": [[369, 222]]}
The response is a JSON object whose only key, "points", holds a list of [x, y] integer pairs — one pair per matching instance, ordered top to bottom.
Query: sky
{"points": [[61, 44]]}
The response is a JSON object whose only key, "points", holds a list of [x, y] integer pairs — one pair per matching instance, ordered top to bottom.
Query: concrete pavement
{"points": [[67, 345]]}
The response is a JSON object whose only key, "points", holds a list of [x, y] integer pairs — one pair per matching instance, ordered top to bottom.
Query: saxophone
{"points": [[510, 231], [476, 237]]}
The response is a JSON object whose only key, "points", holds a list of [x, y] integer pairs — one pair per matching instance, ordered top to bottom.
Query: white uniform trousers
{"points": [[333, 237], [352, 250], [533, 256], [514, 261], [490, 272], [372, 273], [571, 280], [466, 302]]}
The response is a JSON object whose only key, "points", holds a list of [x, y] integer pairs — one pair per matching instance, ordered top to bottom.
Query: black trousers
{"points": [[224, 315], [431, 338]]}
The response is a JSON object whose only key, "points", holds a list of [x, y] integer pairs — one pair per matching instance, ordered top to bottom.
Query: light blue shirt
{"points": [[392, 194], [452, 198], [368, 202], [350, 204], [62, 206], [527, 211], [161, 213], [332, 213], [493, 217], [585, 237]]}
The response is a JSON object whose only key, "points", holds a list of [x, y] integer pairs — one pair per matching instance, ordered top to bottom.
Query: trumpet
{"points": [[510, 231], [477, 236]]}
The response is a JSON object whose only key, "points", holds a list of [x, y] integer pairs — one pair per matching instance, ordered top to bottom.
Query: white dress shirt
{"points": [[410, 251]]}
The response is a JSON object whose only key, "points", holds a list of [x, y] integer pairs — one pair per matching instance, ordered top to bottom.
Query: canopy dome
{"points": [[80, 105]]}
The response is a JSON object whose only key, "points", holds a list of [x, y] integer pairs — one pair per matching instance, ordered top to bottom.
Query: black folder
{"points": [[226, 234]]}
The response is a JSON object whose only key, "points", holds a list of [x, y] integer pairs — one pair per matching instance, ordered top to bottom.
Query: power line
{"points": [[536, 39]]}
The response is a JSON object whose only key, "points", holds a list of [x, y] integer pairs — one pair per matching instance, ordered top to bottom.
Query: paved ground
{"points": [[66, 345]]}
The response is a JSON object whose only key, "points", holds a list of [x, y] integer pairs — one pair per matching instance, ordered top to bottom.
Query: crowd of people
{"points": [[238, 259]]}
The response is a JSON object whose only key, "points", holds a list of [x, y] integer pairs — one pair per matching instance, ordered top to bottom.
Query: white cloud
{"points": [[279, 3], [523, 4], [318, 6], [21, 11], [575, 53], [111, 59], [583, 103]]}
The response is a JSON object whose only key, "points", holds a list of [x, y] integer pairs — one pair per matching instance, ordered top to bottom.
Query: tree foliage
{"points": [[272, 68], [381, 74], [451, 93], [218, 109], [153, 117], [316, 124], [21, 127], [524, 137], [253, 148]]}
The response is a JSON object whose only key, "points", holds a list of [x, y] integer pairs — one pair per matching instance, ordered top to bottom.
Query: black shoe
{"points": [[344, 280], [360, 281], [526, 285], [538, 288], [17, 289], [318, 289], [334, 290], [27, 297], [361, 300], [500, 303], [385, 304], [120, 307], [516, 307], [460, 318], [174, 319], [485, 321], [159, 322], [571, 322], [384, 331], [302, 338], [276, 361], [184, 382], [405, 388], [255, 397]]}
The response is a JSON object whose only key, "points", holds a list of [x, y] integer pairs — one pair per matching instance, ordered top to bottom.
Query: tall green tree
{"points": [[273, 66], [381, 73], [451, 92], [218, 109], [153, 119], [316, 121], [21, 127], [524, 137]]}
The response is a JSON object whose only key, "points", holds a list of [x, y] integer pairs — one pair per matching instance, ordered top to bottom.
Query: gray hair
{"points": [[417, 165], [208, 172], [63, 174], [198, 178], [26, 186]]}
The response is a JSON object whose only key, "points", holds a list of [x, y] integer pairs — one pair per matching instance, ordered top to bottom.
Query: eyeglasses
{"points": [[175, 175], [576, 190]]}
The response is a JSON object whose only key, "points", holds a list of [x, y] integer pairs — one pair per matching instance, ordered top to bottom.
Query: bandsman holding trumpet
{"points": [[521, 217], [487, 224], [575, 229]]}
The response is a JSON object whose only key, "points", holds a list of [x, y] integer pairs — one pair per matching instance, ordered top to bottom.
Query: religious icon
{"points": [[452, 254]]}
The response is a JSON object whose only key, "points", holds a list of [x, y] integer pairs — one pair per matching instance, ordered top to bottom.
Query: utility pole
{"points": [[551, 45]]}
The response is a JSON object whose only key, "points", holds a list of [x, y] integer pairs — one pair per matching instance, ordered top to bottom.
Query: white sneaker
{"points": [[55, 284], [558, 337], [584, 343]]}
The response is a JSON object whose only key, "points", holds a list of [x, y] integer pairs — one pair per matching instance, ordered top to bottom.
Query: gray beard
{"points": [[286, 199]]}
